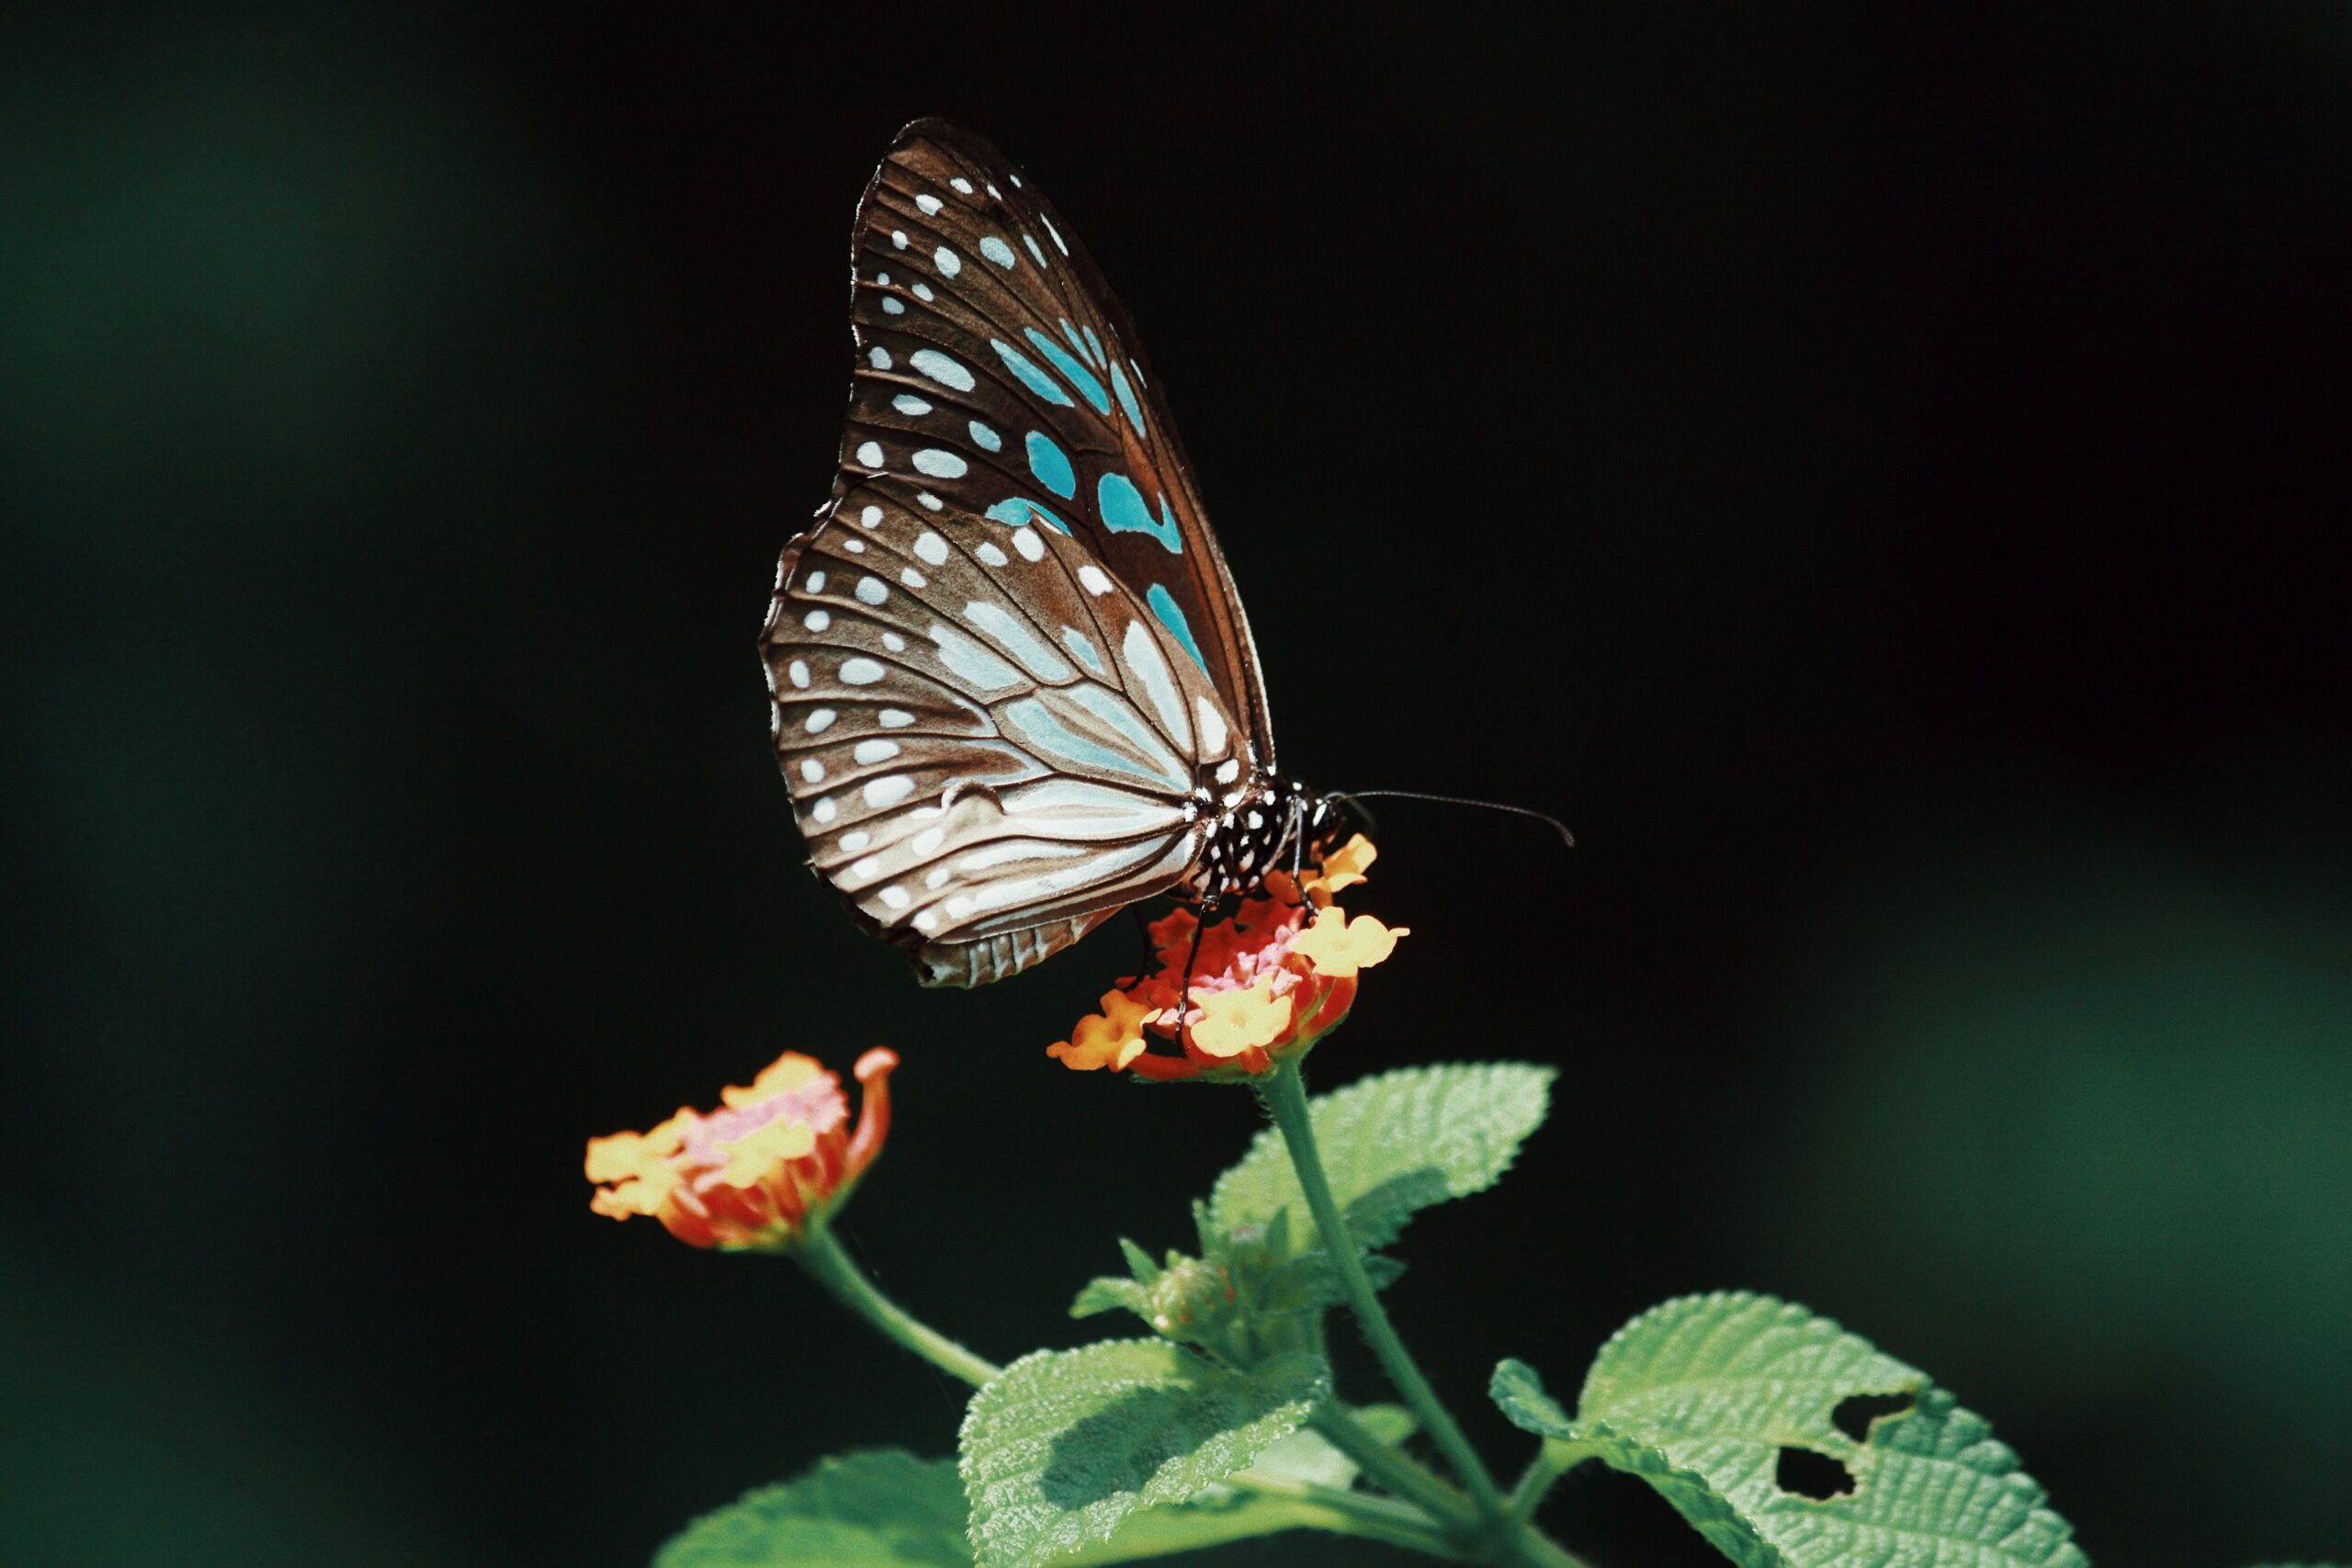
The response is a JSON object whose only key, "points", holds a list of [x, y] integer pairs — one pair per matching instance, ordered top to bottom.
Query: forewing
{"points": [[996, 369], [991, 744]]}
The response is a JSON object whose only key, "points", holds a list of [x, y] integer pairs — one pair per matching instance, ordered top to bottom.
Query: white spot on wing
{"points": [[930, 204], [950, 263], [938, 366], [911, 405], [870, 454], [941, 465], [1025, 540], [930, 549], [1094, 578], [870, 590], [1141, 655], [861, 672], [818, 720], [1213, 733], [868, 752], [812, 770], [888, 791]]}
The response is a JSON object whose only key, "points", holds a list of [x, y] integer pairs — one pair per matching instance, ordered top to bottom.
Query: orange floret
{"points": [[1264, 985], [756, 1174]]}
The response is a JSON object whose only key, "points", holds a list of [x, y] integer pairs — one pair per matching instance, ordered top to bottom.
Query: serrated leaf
{"points": [[1392, 1145], [1309, 1283], [1108, 1293], [1700, 1396], [1066, 1444], [876, 1508]]}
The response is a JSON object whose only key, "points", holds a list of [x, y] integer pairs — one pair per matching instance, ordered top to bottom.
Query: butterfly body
{"points": [[1014, 690]]}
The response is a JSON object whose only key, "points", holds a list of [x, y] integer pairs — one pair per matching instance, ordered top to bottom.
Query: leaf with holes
{"points": [[1392, 1146], [1735, 1407], [1067, 1443], [876, 1508]]}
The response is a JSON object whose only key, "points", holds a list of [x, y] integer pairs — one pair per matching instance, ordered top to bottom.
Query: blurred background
{"points": [[1881, 479]]}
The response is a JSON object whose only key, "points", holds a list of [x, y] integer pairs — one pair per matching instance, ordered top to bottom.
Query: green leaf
{"points": [[1394, 1144], [1139, 1262], [1309, 1283], [1108, 1293], [1704, 1396], [1392, 1424], [1068, 1443], [875, 1509]]}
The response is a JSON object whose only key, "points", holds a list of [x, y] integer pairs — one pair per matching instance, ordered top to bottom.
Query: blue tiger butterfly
{"points": [[1013, 687]]}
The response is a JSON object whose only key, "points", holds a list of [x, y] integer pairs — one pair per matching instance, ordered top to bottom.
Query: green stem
{"points": [[1285, 1099], [830, 1267], [1553, 1460], [1392, 1469], [1290, 1504], [1322, 1507]]}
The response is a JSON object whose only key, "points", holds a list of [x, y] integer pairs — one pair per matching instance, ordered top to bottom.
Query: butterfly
{"points": [[1013, 687]]}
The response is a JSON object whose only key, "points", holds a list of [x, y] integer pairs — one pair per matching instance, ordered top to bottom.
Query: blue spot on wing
{"points": [[1095, 343], [1078, 374], [1036, 380], [1126, 398], [1051, 465], [1121, 506], [1017, 510], [1171, 615]]}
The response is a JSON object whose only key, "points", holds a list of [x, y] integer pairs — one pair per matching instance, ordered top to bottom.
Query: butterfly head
{"points": [[1276, 824]]}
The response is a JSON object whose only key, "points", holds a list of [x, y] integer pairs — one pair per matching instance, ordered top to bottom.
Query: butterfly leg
{"points": [[1209, 910], [1143, 930]]}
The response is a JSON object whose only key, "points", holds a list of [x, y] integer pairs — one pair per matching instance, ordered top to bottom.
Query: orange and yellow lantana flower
{"points": [[1264, 985], [752, 1176]]}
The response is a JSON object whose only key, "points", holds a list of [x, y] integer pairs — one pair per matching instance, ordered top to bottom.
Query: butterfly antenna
{"points": [[1555, 824]]}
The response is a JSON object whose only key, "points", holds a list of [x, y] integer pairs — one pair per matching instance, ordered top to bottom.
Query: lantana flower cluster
{"points": [[1263, 987], [752, 1177]]}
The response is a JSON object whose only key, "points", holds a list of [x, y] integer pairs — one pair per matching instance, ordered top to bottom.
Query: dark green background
{"points": [[1881, 480]]}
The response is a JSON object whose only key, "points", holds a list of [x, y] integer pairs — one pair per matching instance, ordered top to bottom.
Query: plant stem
{"points": [[1285, 1099], [830, 1267], [1553, 1460], [1394, 1470], [1323, 1507]]}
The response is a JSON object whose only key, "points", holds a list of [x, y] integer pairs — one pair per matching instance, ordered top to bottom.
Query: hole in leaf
{"points": [[1854, 1414], [1808, 1474]]}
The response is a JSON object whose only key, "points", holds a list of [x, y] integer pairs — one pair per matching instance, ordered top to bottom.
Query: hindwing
{"points": [[992, 744]]}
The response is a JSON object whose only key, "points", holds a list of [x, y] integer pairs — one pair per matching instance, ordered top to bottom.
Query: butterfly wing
{"points": [[996, 366], [992, 744]]}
